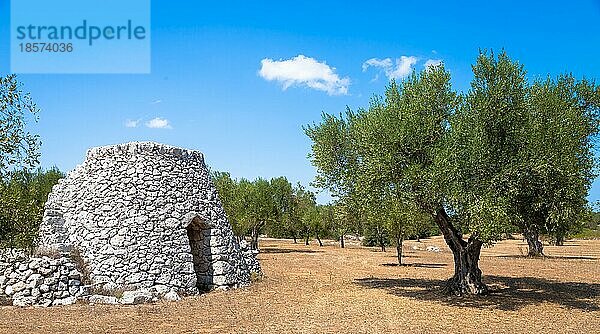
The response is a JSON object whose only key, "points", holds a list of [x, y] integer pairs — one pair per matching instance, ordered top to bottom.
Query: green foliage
{"points": [[18, 148], [333, 151], [508, 153], [520, 153], [380, 160], [22, 198], [230, 199], [273, 205], [347, 218], [300, 220], [593, 221], [590, 229], [587, 233], [376, 235]]}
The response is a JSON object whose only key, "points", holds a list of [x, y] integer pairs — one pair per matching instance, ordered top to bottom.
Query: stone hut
{"points": [[145, 215]]}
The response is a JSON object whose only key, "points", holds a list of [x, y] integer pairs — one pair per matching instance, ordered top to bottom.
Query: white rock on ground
{"points": [[433, 249], [172, 296], [136, 297], [100, 299]]}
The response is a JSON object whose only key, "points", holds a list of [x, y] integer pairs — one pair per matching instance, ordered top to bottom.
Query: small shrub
{"points": [[48, 252], [81, 266], [255, 277], [5, 301]]}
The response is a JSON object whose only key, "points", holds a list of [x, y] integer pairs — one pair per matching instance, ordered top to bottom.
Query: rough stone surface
{"points": [[141, 216], [250, 257], [37, 280], [172, 296], [136, 297], [101, 299]]}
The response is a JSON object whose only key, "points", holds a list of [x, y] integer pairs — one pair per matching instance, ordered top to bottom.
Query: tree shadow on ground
{"points": [[287, 250], [404, 256], [545, 257], [418, 265], [506, 293]]}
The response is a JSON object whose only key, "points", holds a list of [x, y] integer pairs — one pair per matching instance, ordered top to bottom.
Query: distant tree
{"points": [[557, 166], [229, 191], [282, 193], [23, 194], [260, 208], [305, 212], [347, 218], [593, 219], [403, 222], [322, 224], [375, 233]]}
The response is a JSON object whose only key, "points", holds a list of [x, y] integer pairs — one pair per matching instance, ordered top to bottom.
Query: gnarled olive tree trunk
{"points": [[254, 236], [319, 239], [399, 241], [536, 248], [467, 275]]}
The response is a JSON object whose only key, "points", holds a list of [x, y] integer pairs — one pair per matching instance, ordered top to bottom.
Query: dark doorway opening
{"points": [[198, 234]]}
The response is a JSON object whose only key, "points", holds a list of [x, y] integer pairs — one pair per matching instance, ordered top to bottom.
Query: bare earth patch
{"points": [[311, 289]]}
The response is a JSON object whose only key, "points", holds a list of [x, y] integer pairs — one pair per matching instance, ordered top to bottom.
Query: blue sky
{"points": [[206, 90]]}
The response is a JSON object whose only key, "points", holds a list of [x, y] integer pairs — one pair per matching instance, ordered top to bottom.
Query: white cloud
{"points": [[376, 62], [432, 62], [401, 69], [304, 71], [156, 101], [130, 123], [158, 123]]}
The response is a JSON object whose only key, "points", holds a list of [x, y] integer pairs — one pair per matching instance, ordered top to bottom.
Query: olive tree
{"points": [[18, 147], [386, 153], [521, 153], [461, 159], [557, 165], [229, 191], [23, 194]]}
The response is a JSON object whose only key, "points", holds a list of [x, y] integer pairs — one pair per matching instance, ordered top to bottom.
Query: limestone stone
{"points": [[35, 279], [19, 286], [172, 296], [136, 297], [100, 299], [64, 301], [24, 302]]}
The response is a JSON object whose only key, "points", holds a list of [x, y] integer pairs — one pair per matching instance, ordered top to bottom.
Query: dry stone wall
{"points": [[145, 216], [44, 281]]}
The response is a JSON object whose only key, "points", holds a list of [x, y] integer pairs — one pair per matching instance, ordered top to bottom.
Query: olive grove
{"points": [[509, 154]]}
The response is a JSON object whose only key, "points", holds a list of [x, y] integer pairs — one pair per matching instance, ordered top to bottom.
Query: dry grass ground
{"points": [[311, 289]]}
